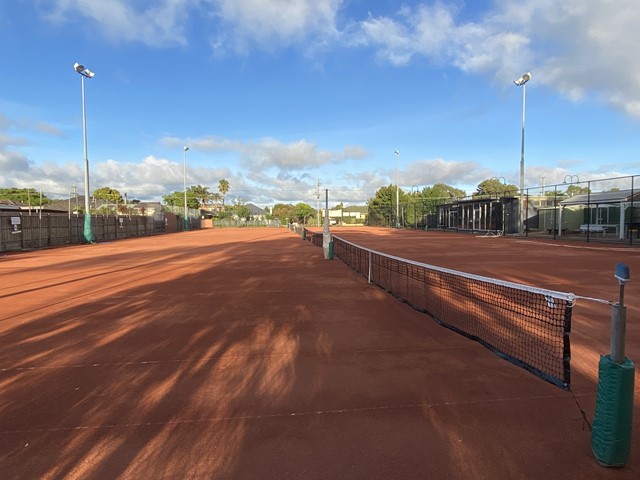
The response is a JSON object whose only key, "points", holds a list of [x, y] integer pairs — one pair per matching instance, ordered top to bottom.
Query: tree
{"points": [[494, 186], [223, 188], [576, 190], [442, 191], [108, 194], [201, 194], [26, 196], [216, 198], [176, 199], [426, 201], [382, 206], [241, 210], [283, 212], [302, 212]]}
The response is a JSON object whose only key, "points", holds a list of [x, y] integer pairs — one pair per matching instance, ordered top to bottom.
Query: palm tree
{"points": [[223, 188], [202, 194], [216, 198]]}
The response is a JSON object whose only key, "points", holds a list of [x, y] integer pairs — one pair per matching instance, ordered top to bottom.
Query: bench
{"points": [[598, 228]]}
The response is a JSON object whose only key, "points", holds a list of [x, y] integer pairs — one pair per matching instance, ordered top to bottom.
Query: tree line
{"points": [[199, 196], [384, 201]]}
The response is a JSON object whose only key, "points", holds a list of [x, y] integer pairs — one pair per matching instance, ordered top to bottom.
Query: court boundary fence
{"points": [[24, 231], [527, 326]]}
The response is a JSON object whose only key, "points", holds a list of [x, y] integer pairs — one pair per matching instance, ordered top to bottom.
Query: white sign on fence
{"points": [[15, 221]]}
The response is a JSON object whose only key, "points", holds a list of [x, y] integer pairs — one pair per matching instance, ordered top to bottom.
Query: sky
{"points": [[287, 98]]}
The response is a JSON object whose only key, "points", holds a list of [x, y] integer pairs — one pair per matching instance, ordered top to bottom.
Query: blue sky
{"points": [[276, 95]]}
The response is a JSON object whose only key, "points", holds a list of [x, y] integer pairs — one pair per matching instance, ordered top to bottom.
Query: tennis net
{"points": [[526, 325]]}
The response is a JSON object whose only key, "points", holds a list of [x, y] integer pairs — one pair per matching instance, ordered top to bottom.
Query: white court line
{"points": [[582, 247]]}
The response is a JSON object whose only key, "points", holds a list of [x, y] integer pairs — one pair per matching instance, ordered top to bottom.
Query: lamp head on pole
{"points": [[82, 70], [523, 79], [186, 149], [397, 152]]}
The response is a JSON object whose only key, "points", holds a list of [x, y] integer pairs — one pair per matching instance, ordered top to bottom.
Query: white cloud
{"points": [[268, 24], [158, 25], [239, 25], [394, 42], [578, 47], [44, 127], [271, 153], [12, 162], [429, 172]]}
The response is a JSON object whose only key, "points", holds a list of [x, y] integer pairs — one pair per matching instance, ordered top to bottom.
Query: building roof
{"points": [[600, 198], [6, 204], [356, 208], [255, 210]]}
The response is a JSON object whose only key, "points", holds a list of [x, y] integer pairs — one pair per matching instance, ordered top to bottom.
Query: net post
{"points": [[327, 243], [369, 277], [619, 317], [566, 347], [611, 435]]}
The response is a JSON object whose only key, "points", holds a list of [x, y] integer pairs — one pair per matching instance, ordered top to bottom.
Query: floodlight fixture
{"points": [[82, 70], [523, 79]]}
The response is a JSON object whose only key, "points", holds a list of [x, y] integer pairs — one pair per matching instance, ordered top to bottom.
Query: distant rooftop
{"points": [[619, 196]]}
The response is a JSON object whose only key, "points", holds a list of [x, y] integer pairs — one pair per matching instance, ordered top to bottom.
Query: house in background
{"points": [[9, 206], [257, 213], [355, 215]]}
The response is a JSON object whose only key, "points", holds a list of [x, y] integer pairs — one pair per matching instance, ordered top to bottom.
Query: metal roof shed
{"points": [[616, 198]]}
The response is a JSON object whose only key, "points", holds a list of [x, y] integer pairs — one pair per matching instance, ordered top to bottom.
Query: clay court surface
{"points": [[243, 354]]}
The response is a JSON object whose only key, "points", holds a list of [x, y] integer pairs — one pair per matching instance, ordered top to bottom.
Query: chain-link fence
{"points": [[604, 210]]}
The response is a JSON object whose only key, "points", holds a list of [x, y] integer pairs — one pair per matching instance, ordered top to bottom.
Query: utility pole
{"points": [[75, 195], [318, 204]]}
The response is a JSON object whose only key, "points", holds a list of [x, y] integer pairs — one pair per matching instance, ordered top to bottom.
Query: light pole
{"points": [[521, 82], [397, 153], [571, 182], [186, 211], [88, 234]]}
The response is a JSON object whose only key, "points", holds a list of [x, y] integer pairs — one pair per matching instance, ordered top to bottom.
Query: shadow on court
{"points": [[243, 354]]}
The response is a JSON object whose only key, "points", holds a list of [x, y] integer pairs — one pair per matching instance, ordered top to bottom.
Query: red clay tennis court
{"points": [[242, 353]]}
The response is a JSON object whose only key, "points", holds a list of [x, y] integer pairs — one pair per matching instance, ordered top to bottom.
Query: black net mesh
{"points": [[526, 325]]}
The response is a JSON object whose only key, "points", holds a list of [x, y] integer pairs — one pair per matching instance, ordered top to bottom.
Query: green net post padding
{"points": [[87, 233], [304, 233], [330, 256], [611, 435]]}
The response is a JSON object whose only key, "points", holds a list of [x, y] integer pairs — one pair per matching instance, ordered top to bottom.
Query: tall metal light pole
{"points": [[520, 82], [397, 153], [186, 211], [88, 233]]}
